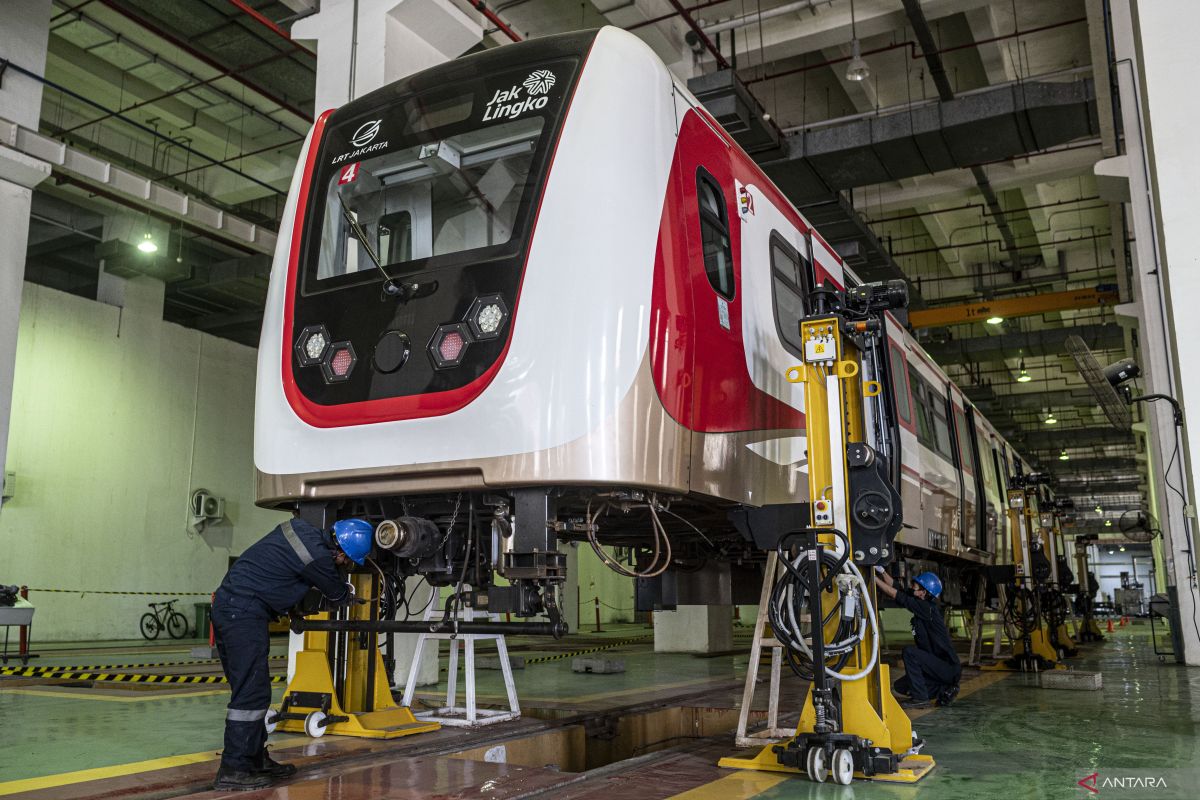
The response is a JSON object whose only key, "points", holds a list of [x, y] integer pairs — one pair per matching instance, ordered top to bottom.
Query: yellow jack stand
{"points": [[1065, 640], [1040, 650], [311, 703], [892, 730], [866, 735]]}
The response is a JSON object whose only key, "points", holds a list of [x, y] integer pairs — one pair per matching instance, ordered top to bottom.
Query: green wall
{"points": [[117, 417]]}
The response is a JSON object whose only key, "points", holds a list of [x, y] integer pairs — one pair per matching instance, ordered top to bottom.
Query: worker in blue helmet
{"points": [[265, 582], [931, 666]]}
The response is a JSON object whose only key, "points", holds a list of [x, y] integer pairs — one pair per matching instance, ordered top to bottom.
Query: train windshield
{"points": [[433, 178]]}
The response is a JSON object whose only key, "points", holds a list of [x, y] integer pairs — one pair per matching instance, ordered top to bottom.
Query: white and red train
{"points": [[586, 289]]}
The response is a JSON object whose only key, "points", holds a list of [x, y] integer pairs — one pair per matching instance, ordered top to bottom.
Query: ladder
{"points": [[772, 732]]}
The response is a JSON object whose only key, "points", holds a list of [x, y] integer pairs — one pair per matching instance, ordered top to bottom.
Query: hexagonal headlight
{"points": [[487, 317], [311, 345]]}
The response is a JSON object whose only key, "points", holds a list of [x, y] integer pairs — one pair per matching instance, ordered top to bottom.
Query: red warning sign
{"points": [[349, 174]]}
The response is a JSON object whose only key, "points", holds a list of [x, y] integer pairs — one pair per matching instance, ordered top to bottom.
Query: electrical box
{"points": [[10, 486]]}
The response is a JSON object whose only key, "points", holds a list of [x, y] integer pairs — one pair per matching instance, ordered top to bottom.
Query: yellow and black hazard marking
{"points": [[597, 649], [199, 662], [117, 677]]}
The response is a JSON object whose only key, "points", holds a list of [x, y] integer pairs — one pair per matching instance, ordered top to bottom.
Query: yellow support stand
{"points": [[834, 410], [311, 703]]}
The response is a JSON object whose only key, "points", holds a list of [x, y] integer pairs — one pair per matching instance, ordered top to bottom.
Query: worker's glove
{"points": [[349, 594]]}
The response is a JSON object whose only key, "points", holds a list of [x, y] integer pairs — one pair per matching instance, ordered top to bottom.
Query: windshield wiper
{"points": [[390, 287]]}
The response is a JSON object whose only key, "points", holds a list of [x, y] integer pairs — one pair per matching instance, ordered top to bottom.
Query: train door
{"points": [[965, 468], [939, 473], [978, 526]]}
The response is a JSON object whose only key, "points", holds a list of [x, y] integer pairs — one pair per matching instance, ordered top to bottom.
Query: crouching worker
{"points": [[265, 582], [931, 667]]}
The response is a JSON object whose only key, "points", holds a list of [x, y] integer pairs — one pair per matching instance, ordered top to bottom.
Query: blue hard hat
{"points": [[354, 536], [929, 582]]}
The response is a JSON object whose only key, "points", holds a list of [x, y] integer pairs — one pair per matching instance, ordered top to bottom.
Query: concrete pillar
{"points": [[23, 39], [386, 41], [1153, 54], [694, 629]]}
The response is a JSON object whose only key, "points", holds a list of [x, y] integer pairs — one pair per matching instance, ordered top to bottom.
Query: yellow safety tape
{"points": [[105, 591], [609, 646], [200, 662], [117, 677]]}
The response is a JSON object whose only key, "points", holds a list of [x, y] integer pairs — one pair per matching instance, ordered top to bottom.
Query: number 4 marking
{"points": [[349, 174]]}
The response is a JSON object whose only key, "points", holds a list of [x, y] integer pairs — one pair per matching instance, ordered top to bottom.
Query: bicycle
{"points": [[163, 616]]}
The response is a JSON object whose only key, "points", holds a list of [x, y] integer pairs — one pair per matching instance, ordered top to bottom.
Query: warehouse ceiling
{"points": [[964, 162]]}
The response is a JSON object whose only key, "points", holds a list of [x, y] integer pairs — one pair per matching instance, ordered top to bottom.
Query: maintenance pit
{"points": [[655, 731]]}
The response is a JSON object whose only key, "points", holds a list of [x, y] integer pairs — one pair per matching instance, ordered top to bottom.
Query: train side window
{"points": [[714, 234], [787, 288], [899, 373], [921, 407], [941, 425], [965, 453]]}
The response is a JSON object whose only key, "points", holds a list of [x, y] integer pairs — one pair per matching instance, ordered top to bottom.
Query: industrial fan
{"points": [[1103, 381], [1139, 525]]}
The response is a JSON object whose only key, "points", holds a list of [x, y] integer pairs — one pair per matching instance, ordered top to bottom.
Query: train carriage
{"points": [[546, 267]]}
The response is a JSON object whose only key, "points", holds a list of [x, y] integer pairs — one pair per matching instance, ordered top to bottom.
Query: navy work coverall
{"points": [[266, 581], [931, 666]]}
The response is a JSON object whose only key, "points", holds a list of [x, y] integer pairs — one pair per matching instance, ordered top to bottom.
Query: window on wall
{"points": [[714, 234], [789, 288], [900, 385]]}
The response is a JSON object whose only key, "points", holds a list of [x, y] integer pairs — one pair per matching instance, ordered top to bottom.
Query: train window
{"points": [[714, 234], [788, 287], [899, 373], [921, 406], [941, 425], [965, 455]]}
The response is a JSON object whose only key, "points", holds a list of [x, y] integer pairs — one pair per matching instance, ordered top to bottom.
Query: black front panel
{"points": [[393, 132]]}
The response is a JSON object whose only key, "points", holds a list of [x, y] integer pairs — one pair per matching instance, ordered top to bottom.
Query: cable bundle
{"points": [[789, 613]]}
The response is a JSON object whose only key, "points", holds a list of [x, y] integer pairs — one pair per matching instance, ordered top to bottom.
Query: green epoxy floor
{"points": [[1008, 739], [1014, 740]]}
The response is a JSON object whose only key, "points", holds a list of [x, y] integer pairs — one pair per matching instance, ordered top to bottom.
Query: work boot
{"points": [[947, 696], [912, 702], [271, 767], [241, 780]]}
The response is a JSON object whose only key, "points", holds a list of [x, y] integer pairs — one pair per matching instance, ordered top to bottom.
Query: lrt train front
{"points": [[457, 321]]}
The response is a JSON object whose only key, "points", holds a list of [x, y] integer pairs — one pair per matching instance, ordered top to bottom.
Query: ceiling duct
{"points": [[1048, 342]]}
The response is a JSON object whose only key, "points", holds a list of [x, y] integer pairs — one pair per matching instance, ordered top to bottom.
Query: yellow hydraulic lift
{"points": [[1027, 306], [1033, 566], [339, 684], [851, 726]]}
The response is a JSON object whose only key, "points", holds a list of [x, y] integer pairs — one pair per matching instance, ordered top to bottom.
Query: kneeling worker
{"points": [[267, 580], [931, 667]]}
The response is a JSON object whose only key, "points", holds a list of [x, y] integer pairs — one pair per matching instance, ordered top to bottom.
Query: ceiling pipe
{"points": [[674, 14], [494, 18], [751, 19], [271, 26], [701, 36], [912, 48], [207, 60], [144, 129]]}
